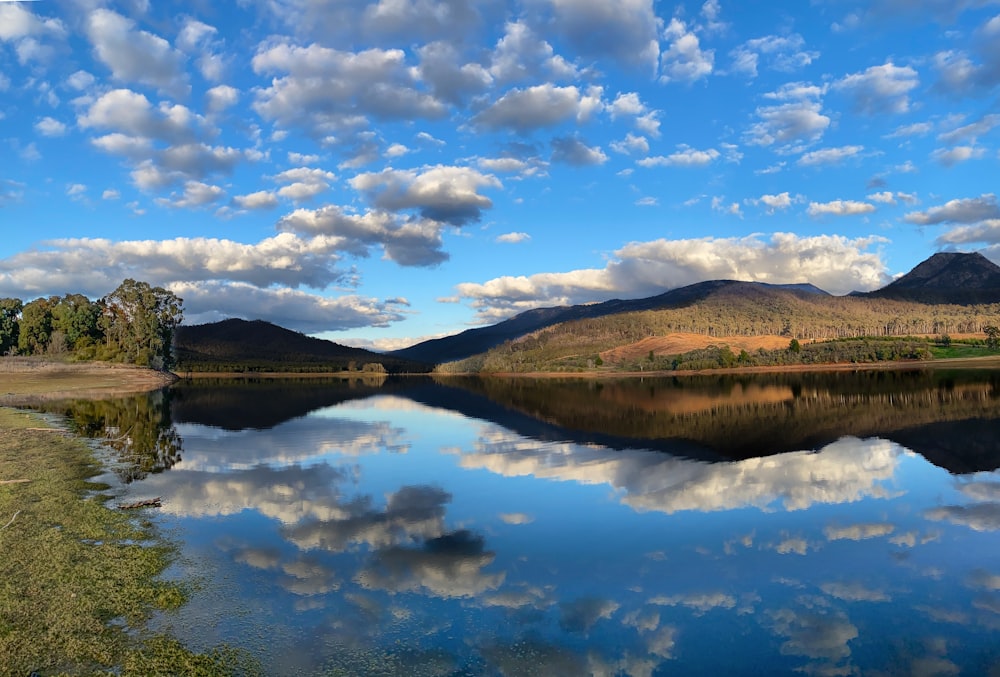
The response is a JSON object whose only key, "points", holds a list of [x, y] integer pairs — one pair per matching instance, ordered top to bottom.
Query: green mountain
{"points": [[947, 277], [241, 345]]}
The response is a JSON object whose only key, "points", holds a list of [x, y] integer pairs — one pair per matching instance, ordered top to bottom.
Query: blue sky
{"points": [[382, 172]]}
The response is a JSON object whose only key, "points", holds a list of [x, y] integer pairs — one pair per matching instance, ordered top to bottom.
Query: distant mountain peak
{"points": [[951, 270]]}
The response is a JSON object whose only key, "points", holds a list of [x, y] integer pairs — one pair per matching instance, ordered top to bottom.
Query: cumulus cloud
{"points": [[624, 30], [782, 53], [136, 55], [522, 55], [684, 60], [451, 80], [881, 89], [324, 91], [548, 105], [788, 123], [49, 126], [631, 144], [572, 151], [829, 156], [953, 156], [684, 157], [302, 183], [440, 193], [196, 194], [261, 199], [773, 202], [840, 208], [963, 210], [513, 238], [407, 242], [834, 263]]}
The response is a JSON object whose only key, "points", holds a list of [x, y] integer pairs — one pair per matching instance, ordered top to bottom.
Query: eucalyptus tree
{"points": [[10, 312], [76, 318], [138, 321], [36, 326]]}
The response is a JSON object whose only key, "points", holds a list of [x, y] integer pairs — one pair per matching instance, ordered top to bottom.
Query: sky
{"points": [[379, 173]]}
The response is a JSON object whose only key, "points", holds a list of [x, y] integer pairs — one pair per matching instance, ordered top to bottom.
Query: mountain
{"points": [[947, 277], [474, 341], [261, 346]]}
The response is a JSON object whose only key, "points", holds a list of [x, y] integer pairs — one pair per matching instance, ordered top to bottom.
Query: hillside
{"points": [[726, 316], [479, 340], [241, 345]]}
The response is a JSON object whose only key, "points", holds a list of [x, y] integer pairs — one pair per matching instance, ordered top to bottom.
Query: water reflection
{"points": [[390, 534]]}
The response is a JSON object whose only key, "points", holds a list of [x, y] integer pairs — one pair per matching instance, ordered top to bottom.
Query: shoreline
{"points": [[988, 362], [24, 381]]}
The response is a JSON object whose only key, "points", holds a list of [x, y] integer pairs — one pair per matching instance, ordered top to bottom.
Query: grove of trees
{"points": [[134, 324]]}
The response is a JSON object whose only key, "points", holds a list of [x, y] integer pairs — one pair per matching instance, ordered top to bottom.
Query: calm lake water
{"points": [[830, 524]]}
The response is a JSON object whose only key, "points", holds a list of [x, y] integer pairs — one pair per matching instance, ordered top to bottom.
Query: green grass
{"points": [[956, 350], [79, 579]]}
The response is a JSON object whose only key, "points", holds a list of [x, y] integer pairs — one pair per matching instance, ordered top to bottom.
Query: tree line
{"points": [[134, 324]]}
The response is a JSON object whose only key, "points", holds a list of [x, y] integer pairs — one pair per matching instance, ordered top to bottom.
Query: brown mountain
{"points": [[261, 346]]}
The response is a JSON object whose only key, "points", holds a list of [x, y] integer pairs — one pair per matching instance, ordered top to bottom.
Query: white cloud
{"points": [[16, 22], [624, 30], [780, 53], [135, 55], [522, 55], [684, 60], [881, 89], [325, 91], [221, 97], [524, 110], [788, 123], [48, 126], [971, 132], [631, 144], [572, 151], [828, 156], [953, 156], [685, 157], [303, 183], [441, 193], [110, 194], [196, 194], [261, 199], [647, 202], [774, 202], [840, 208], [965, 210], [513, 238], [413, 242], [834, 263]]}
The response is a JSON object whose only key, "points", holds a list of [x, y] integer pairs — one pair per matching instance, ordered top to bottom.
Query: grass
{"points": [[960, 350], [79, 579]]}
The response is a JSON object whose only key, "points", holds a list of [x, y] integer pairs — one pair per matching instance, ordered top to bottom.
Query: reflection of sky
{"points": [[483, 552]]}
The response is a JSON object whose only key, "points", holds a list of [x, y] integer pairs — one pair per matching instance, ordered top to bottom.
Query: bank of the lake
{"points": [[24, 380], [79, 579]]}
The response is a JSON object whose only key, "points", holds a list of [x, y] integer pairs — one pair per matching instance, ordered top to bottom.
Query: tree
{"points": [[10, 310], [76, 317], [139, 322], [36, 326], [992, 336], [795, 346]]}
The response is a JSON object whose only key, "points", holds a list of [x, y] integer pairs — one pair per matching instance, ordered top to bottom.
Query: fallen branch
{"points": [[14, 481], [147, 503], [11, 520]]}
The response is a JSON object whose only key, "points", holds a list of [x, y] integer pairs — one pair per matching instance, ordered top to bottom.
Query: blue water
{"points": [[385, 536]]}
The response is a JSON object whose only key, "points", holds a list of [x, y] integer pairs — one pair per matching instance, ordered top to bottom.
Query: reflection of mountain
{"points": [[262, 403], [749, 416]]}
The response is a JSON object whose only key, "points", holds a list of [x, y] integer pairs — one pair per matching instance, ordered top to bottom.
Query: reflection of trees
{"points": [[740, 416], [137, 429]]}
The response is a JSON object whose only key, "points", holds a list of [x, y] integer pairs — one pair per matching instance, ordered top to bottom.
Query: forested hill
{"points": [[743, 309], [479, 340], [241, 345]]}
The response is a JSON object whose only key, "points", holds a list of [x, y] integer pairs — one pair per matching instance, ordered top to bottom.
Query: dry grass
{"points": [[679, 343], [24, 381]]}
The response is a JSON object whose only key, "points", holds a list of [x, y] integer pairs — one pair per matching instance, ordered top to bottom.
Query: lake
{"points": [[832, 524]]}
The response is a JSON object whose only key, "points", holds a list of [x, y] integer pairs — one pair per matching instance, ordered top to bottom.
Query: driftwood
{"points": [[147, 503], [11, 520]]}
